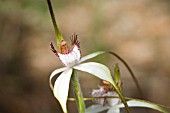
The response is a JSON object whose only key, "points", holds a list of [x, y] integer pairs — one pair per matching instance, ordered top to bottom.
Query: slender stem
{"points": [[59, 36], [130, 71], [78, 93]]}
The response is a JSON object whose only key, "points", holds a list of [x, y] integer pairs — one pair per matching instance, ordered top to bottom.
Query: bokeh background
{"points": [[137, 30]]}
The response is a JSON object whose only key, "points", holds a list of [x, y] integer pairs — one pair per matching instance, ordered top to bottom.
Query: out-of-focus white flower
{"points": [[105, 90], [102, 92], [113, 105]]}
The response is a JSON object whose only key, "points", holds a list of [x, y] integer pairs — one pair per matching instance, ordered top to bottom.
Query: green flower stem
{"points": [[59, 36], [130, 71], [78, 93]]}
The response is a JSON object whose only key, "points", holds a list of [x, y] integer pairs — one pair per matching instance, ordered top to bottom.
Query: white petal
{"points": [[77, 51], [91, 56], [71, 58], [99, 70], [54, 73], [61, 88], [112, 101], [142, 103], [96, 108], [114, 110]]}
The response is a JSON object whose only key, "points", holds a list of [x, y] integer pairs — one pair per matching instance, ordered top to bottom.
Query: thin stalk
{"points": [[59, 36], [131, 73], [78, 93]]}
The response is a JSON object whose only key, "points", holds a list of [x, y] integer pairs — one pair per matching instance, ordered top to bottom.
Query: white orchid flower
{"points": [[71, 59], [131, 103], [113, 105]]}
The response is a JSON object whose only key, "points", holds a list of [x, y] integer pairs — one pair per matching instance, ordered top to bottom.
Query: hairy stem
{"points": [[78, 93]]}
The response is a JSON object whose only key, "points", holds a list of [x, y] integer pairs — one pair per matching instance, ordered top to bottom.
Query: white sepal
{"points": [[91, 56], [96, 69], [54, 73], [61, 88], [112, 101], [142, 103], [96, 108], [114, 110]]}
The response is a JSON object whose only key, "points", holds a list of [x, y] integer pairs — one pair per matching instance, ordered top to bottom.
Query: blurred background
{"points": [[137, 30]]}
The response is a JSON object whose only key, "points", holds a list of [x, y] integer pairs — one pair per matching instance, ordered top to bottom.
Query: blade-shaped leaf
{"points": [[92, 55], [102, 72], [54, 73], [61, 87], [142, 103], [96, 108]]}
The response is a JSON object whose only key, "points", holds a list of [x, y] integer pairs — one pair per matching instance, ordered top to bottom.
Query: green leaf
{"points": [[91, 56], [102, 72], [54, 73], [117, 75], [61, 88], [142, 103], [96, 108]]}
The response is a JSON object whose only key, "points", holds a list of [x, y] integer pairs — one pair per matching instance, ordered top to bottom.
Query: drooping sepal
{"points": [[61, 88]]}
